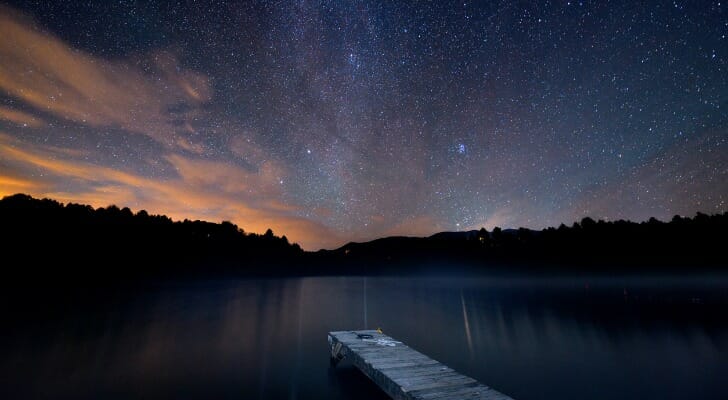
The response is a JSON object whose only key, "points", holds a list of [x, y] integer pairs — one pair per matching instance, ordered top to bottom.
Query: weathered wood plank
{"points": [[404, 373], [477, 391]]}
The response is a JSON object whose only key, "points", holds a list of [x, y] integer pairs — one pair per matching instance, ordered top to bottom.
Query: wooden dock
{"points": [[403, 373]]}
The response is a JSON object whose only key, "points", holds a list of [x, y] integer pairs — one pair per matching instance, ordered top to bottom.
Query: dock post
{"points": [[337, 351]]}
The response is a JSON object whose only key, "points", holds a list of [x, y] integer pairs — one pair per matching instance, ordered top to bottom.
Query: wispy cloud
{"points": [[151, 95], [154, 96], [20, 118], [10, 185], [201, 190]]}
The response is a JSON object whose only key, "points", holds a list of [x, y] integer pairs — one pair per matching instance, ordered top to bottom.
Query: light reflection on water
{"points": [[530, 338]]}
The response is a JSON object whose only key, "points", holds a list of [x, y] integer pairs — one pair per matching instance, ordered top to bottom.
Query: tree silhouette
{"points": [[483, 237], [75, 242], [110, 242]]}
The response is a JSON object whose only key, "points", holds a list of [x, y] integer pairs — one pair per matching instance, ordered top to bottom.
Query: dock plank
{"points": [[404, 373]]}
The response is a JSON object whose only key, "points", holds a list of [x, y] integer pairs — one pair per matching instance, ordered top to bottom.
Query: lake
{"points": [[531, 338]]}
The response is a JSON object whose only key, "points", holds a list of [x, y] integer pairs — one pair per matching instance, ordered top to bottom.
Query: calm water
{"points": [[570, 338]]}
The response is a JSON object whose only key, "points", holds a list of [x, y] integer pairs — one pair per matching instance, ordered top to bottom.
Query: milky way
{"points": [[338, 121]]}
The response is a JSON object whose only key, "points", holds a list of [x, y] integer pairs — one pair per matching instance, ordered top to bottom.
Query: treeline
{"points": [[47, 238], [50, 240], [684, 244]]}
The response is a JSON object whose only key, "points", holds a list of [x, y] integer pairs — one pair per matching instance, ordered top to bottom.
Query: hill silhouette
{"points": [[74, 242], [682, 244]]}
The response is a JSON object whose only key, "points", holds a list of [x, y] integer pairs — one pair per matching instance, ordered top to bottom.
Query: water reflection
{"points": [[466, 324], [266, 339]]}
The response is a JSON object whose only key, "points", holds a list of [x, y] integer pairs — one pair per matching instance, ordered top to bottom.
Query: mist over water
{"points": [[531, 338]]}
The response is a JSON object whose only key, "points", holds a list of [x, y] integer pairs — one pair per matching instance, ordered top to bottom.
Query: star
{"points": [[349, 121]]}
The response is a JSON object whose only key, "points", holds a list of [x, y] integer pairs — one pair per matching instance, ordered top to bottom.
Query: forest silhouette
{"points": [[45, 239], [79, 242], [682, 245]]}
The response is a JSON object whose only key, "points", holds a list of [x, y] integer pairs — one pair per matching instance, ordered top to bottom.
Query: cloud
{"points": [[153, 96], [20, 118], [242, 145], [189, 146], [229, 178], [11, 185], [202, 189]]}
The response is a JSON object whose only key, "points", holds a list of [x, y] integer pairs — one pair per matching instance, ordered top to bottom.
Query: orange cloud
{"points": [[50, 76], [152, 96], [20, 118], [185, 144], [229, 178], [10, 185], [203, 190]]}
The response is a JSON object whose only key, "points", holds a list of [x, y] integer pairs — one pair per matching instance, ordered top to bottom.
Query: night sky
{"points": [[335, 121]]}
